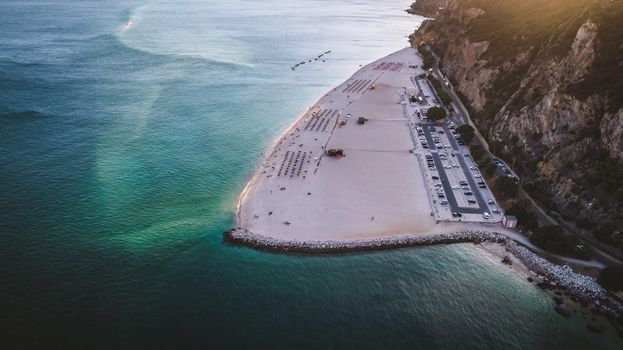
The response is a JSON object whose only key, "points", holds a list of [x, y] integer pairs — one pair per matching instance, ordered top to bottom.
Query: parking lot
{"points": [[457, 190]]}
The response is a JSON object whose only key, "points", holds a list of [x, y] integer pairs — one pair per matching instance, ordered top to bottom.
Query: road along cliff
{"points": [[544, 83]]}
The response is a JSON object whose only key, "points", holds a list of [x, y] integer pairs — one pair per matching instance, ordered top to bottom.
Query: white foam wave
{"points": [[131, 22], [190, 38]]}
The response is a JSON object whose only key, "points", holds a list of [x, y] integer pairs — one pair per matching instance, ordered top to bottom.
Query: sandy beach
{"points": [[376, 189], [373, 195]]}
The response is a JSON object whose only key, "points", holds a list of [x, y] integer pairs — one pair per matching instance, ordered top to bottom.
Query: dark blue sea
{"points": [[127, 129]]}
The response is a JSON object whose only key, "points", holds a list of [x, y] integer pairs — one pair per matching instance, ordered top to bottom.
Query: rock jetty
{"points": [[580, 286]]}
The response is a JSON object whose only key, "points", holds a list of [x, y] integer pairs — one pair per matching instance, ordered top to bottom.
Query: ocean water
{"points": [[127, 129]]}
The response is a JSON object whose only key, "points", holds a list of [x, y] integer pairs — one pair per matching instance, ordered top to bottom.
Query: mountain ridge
{"points": [[543, 80]]}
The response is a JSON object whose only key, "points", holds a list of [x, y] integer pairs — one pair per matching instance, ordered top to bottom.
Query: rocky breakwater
{"points": [[245, 237], [576, 285], [579, 286]]}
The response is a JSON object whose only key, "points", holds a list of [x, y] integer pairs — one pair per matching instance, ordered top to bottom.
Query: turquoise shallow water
{"points": [[127, 128]]}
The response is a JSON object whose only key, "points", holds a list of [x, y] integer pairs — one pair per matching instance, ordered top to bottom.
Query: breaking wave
{"points": [[141, 32]]}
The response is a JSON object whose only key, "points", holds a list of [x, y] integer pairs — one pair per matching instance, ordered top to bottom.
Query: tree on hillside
{"points": [[427, 57], [443, 96], [437, 113], [464, 128], [466, 132], [477, 152], [490, 168], [507, 185], [526, 218], [555, 239], [611, 278]]}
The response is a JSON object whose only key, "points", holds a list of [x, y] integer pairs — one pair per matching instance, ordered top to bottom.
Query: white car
{"points": [[472, 168], [477, 176], [485, 215]]}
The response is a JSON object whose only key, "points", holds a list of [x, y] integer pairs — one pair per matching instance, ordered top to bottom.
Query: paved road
{"points": [[526, 242]]}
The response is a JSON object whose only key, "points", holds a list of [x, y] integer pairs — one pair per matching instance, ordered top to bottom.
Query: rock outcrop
{"points": [[544, 84]]}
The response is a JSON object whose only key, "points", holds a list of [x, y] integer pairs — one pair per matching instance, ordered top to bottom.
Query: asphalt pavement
{"points": [[445, 181]]}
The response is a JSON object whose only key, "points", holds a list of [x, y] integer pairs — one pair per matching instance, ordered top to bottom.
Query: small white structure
{"points": [[509, 221]]}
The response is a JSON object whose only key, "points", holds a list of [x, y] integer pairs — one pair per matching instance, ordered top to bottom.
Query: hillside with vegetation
{"points": [[543, 80]]}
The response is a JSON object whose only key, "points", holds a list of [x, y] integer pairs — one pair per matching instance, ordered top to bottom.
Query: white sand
{"points": [[378, 178]]}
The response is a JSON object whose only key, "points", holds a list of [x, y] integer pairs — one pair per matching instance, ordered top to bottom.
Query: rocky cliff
{"points": [[543, 80]]}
